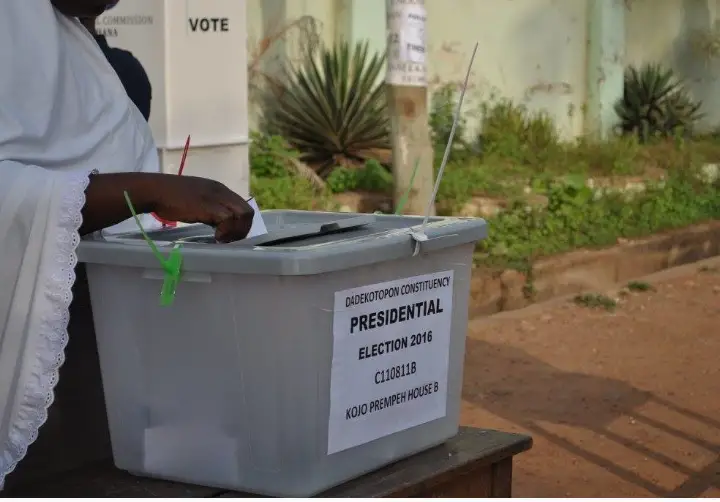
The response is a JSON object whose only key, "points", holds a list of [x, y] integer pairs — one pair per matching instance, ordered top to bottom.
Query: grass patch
{"points": [[518, 148], [518, 152], [502, 175], [372, 177], [278, 180], [576, 218], [639, 286], [596, 301]]}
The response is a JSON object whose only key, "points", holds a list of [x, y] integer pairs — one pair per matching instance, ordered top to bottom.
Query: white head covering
{"points": [[63, 113]]}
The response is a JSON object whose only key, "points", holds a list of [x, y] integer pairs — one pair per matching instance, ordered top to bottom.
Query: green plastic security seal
{"points": [[171, 265]]}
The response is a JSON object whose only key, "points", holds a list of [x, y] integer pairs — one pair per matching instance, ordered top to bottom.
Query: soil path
{"points": [[621, 404]]}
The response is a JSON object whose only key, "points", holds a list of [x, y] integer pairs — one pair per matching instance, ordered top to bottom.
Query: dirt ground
{"points": [[621, 404]]}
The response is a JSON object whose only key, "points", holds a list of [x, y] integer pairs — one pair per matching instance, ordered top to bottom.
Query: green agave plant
{"points": [[655, 103], [332, 108]]}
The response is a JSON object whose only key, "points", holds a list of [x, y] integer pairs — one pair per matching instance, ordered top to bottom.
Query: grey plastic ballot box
{"points": [[290, 362]]}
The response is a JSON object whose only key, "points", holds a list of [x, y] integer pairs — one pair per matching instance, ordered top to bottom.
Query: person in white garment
{"points": [[71, 143]]}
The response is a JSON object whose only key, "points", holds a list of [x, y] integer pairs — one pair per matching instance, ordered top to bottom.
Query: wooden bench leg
{"points": [[502, 479]]}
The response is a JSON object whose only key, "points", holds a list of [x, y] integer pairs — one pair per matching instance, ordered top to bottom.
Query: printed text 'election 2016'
{"points": [[390, 357]]}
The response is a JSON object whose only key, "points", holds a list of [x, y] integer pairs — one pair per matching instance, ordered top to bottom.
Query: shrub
{"points": [[656, 104], [332, 108], [442, 114], [513, 132], [373, 177], [278, 180], [289, 192], [575, 217]]}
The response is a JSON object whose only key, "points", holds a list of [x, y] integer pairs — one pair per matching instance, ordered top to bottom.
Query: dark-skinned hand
{"points": [[171, 197], [199, 200]]}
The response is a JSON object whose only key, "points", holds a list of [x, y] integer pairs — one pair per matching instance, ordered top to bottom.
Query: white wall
{"points": [[275, 29], [531, 51]]}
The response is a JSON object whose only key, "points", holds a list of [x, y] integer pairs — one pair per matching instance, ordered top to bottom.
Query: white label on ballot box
{"points": [[390, 358]]}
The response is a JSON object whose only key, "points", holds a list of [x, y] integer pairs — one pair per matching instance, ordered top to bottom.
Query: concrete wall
{"points": [[277, 30], [664, 31], [532, 51]]}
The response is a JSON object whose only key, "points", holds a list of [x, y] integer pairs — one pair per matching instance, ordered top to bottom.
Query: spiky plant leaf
{"points": [[655, 103], [332, 108]]}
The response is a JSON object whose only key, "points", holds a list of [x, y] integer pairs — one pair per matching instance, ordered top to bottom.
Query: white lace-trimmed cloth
{"points": [[63, 114]]}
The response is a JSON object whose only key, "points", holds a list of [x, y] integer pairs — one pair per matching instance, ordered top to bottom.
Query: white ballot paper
{"points": [[258, 225]]}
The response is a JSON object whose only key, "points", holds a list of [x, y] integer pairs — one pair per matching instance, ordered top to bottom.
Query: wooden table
{"points": [[475, 463]]}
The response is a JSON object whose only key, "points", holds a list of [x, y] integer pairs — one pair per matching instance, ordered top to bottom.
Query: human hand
{"points": [[192, 199]]}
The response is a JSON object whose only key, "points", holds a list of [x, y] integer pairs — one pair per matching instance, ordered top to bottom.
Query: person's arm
{"points": [[133, 77], [143, 99], [189, 199], [105, 203]]}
